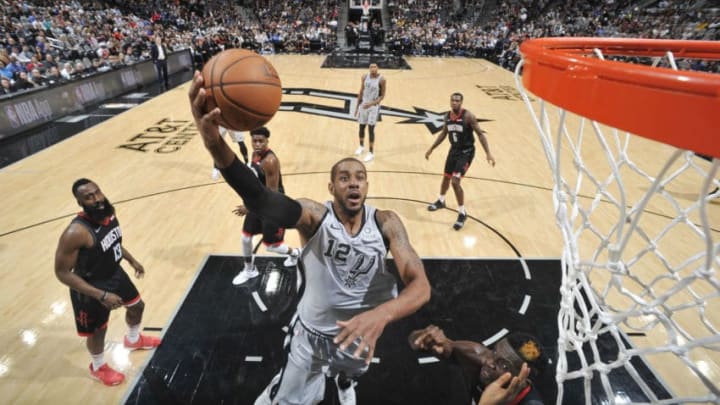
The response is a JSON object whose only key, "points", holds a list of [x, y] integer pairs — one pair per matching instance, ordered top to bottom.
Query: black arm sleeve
{"points": [[259, 199]]}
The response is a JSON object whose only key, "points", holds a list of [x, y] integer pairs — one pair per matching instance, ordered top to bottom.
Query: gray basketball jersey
{"points": [[371, 88], [344, 274]]}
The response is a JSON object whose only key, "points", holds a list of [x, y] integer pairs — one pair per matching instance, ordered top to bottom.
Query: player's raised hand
{"points": [[206, 122], [433, 339], [499, 392]]}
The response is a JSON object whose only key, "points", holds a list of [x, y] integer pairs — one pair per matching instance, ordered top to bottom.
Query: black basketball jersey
{"points": [[460, 134], [256, 165], [102, 260]]}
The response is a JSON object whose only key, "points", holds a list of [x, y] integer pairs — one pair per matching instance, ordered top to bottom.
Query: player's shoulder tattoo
{"points": [[313, 206], [315, 209], [312, 216], [391, 225]]}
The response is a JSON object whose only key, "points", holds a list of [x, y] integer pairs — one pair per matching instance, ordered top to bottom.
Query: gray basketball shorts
{"points": [[368, 115], [312, 356]]}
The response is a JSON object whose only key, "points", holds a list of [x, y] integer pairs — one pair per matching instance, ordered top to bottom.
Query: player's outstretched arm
{"points": [[207, 123], [285, 211], [433, 339]]}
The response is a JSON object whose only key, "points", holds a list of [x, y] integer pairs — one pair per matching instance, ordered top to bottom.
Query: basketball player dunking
{"points": [[372, 92], [459, 125], [349, 296]]}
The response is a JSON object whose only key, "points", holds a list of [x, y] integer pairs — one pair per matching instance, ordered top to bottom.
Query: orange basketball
{"points": [[245, 86]]}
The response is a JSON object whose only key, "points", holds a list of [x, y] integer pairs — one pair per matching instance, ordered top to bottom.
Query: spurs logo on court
{"points": [[433, 121]]}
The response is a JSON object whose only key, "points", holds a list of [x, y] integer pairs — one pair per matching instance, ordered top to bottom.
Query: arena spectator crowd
{"points": [[494, 30], [45, 43]]}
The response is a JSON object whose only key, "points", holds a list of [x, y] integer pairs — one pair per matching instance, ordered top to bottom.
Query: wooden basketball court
{"points": [[151, 164]]}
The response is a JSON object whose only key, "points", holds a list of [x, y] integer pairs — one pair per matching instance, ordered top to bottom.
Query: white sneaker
{"points": [[359, 150], [369, 157], [215, 174], [292, 258], [246, 274], [346, 396], [263, 398]]}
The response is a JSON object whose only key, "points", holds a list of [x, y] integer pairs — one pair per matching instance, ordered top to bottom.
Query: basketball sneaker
{"points": [[359, 150], [369, 157], [215, 174], [436, 205], [460, 221], [292, 258], [250, 271], [143, 343], [107, 375], [346, 396], [264, 398]]}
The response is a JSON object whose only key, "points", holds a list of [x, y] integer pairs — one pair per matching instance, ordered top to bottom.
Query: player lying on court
{"points": [[350, 296], [496, 376]]}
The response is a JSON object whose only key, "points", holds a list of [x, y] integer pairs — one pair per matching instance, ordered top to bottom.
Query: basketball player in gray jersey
{"points": [[372, 92], [349, 297]]}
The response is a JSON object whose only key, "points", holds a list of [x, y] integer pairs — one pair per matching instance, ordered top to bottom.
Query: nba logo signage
{"points": [[129, 79], [90, 91], [27, 112], [11, 116]]}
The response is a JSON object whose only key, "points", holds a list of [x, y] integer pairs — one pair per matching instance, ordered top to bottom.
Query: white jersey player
{"points": [[372, 92], [344, 262]]}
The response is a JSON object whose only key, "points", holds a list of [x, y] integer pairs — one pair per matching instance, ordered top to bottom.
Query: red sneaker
{"points": [[144, 343], [106, 375]]}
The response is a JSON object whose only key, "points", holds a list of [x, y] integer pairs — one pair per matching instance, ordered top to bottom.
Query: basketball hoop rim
{"points": [[680, 108]]}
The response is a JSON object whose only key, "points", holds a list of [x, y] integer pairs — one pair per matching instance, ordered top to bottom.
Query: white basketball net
{"points": [[639, 257]]}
